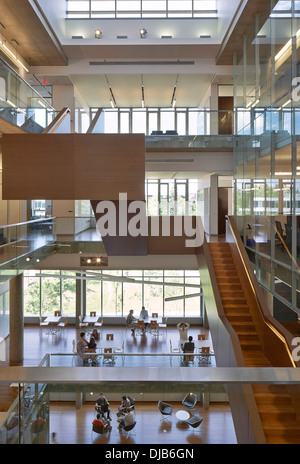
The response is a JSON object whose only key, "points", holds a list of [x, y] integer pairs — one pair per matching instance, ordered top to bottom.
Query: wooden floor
{"points": [[216, 428]]}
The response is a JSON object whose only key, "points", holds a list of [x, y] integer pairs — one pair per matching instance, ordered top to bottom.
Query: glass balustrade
{"points": [[20, 105]]}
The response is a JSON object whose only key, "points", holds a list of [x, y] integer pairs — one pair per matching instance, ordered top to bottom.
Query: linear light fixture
{"points": [[14, 56], [143, 93], [112, 100], [173, 100]]}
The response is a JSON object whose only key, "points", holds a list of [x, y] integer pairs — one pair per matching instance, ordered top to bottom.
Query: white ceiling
{"points": [[127, 89]]}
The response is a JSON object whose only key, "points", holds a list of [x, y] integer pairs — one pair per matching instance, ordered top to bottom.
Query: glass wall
{"points": [[157, 121], [267, 166], [114, 293]]}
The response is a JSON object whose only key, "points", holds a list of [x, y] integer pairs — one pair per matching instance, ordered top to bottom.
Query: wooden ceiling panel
{"points": [[38, 44]]}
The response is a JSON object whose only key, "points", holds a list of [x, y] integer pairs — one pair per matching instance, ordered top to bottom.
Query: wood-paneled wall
{"points": [[73, 166]]}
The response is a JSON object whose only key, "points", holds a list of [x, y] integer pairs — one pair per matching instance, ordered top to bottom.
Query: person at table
{"points": [[144, 315], [131, 321], [183, 328], [96, 335], [92, 345], [189, 346], [125, 403], [102, 405], [126, 420], [106, 424]]}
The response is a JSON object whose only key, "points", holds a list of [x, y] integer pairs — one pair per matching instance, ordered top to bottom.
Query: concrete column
{"points": [[16, 320]]}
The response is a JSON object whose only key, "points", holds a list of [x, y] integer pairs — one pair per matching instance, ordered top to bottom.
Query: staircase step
{"points": [[239, 318], [247, 336], [251, 345], [269, 398], [280, 435]]}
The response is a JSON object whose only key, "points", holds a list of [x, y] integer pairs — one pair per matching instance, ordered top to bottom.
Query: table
{"points": [[53, 320], [90, 320], [182, 415]]}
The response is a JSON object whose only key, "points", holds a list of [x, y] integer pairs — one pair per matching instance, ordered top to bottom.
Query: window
{"points": [[141, 8]]}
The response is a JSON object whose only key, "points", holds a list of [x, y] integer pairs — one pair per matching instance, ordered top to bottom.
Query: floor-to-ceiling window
{"points": [[113, 293]]}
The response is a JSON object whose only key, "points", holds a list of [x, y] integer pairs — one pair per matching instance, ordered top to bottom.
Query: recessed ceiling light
{"points": [[98, 34]]}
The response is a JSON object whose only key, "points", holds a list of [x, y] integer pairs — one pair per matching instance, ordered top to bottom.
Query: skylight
{"points": [[90, 9]]}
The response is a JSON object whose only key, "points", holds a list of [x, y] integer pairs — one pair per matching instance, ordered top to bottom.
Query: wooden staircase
{"points": [[274, 405]]}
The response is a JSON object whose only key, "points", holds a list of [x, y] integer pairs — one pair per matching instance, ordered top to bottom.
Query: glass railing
{"points": [[20, 104], [189, 142], [25, 244], [114, 359], [26, 421]]}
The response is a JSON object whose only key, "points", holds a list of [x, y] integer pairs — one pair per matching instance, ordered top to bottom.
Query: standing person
{"points": [[144, 315], [131, 321], [183, 328], [82, 346], [102, 405]]}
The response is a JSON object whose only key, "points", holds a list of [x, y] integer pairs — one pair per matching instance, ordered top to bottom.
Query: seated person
{"points": [[144, 315], [131, 321], [96, 335], [92, 345], [82, 346], [189, 346], [125, 404], [102, 406], [126, 420], [106, 424]]}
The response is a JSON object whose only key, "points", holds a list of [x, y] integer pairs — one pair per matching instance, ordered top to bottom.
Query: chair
{"points": [[57, 313], [92, 313], [154, 314], [43, 323], [99, 323], [62, 324], [82, 324], [163, 325], [140, 327], [153, 327], [109, 336], [201, 337], [173, 350], [205, 350], [120, 351], [108, 358], [188, 359], [190, 400], [132, 402], [166, 410], [194, 422], [128, 428], [97, 429]]}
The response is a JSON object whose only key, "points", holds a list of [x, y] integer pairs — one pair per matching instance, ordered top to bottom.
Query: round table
{"points": [[182, 415]]}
